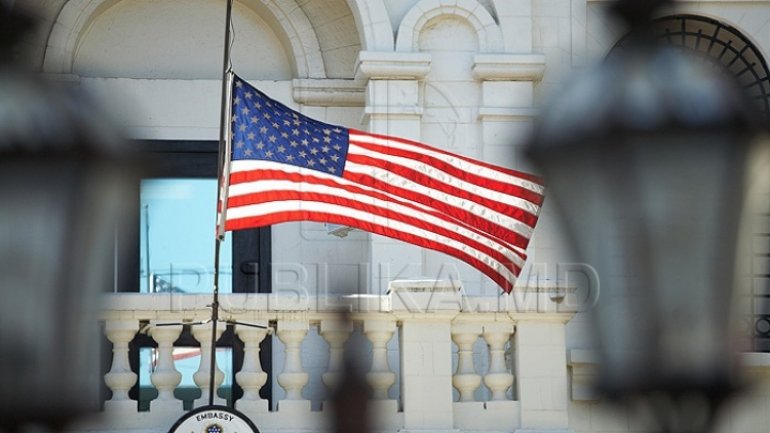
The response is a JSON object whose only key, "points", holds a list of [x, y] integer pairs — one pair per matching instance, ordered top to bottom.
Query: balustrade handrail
{"points": [[523, 300], [290, 317]]}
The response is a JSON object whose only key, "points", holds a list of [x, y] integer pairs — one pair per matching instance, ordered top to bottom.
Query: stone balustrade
{"points": [[418, 354]]}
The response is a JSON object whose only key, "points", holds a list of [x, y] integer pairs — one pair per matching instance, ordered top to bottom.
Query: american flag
{"points": [[285, 166]]}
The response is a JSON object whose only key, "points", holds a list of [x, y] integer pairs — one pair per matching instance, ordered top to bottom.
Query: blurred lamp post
{"points": [[644, 158], [63, 182]]}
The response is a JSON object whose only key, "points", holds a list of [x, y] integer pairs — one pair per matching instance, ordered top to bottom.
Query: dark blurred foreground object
{"points": [[644, 157], [63, 182], [351, 394], [351, 400]]}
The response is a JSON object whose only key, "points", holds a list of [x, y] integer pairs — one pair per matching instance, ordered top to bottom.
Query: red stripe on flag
{"points": [[509, 172], [267, 175], [422, 179], [483, 182], [283, 195], [478, 212], [289, 216], [482, 224]]}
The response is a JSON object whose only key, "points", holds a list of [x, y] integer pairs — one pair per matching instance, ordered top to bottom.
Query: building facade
{"points": [[468, 76]]}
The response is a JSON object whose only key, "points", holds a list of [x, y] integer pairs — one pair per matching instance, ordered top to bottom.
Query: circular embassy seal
{"points": [[214, 419]]}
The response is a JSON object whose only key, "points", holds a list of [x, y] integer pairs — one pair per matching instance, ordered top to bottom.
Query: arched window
{"points": [[719, 45], [724, 47]]}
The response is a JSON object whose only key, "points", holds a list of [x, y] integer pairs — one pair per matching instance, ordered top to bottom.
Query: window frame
{"points": [[251, 251]]}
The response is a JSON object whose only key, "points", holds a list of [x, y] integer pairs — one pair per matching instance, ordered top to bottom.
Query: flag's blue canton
{"points": [[268, 130]]}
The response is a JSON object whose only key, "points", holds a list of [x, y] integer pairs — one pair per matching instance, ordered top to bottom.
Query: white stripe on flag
{"points": [[460, 163], [447, 179], [307, 187], [326, 208], [473, 208]]}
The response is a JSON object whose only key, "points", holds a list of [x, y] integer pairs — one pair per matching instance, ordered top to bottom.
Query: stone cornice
{"points": [[392, 65], [509, 67], [329, 92], [507, 114], [538, 305], [554, 317]]}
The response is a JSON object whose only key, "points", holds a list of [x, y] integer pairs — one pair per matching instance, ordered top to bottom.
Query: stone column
{"points": [[392, 108], [506, 112], [426, 354], [541, 374], [427, 386]]}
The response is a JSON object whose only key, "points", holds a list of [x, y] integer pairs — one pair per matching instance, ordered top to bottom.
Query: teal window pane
{"points": [[177, 226]]}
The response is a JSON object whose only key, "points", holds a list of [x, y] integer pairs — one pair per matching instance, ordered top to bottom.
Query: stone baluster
{"points": [[202, 333], [335, 333], [165, 377], [251, 377], [380, 377], [120, 378], [293, 378], [499, 378], [465, 379]]}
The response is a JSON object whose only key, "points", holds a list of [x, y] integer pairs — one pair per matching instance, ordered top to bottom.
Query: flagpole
{"points": [[224, 134]]}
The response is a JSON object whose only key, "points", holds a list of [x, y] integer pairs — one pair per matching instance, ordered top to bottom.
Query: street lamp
{"points": [[644, 158], [64, 183]]}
